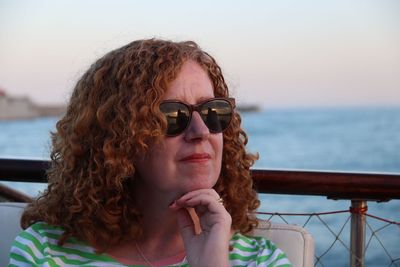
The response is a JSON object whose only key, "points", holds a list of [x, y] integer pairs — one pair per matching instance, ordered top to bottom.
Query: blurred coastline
{"points": [[15, 108], [22, 108]]}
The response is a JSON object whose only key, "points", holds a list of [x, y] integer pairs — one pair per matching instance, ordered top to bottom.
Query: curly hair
{"points": [[113, 114]]}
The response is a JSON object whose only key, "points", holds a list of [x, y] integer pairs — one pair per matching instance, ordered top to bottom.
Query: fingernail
{"points": [[173, 204]]}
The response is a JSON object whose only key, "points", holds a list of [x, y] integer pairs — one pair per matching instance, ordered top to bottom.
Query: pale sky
{"points": [[273, 53]]}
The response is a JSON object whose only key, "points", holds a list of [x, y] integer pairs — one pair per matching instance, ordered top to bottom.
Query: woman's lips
{"points": [[196, 158]]}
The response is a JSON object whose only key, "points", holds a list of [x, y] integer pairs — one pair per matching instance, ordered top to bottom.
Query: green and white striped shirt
{"points": [[37, 246]]}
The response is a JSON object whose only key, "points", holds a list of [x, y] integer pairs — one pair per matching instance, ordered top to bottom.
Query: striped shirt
{"points": [[37, 246]]}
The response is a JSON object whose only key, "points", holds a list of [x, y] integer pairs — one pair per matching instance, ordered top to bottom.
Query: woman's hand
{"points": [[210, 246]]}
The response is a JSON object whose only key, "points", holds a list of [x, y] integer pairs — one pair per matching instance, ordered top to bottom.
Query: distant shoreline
{"points": [[22, 108], [248, 108]]}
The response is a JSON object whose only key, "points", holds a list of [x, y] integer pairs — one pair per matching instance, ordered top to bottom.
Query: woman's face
{"points": [[191, 160]]}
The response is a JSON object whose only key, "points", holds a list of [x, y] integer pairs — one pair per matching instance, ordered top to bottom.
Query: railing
{"points": [[355, 187]]}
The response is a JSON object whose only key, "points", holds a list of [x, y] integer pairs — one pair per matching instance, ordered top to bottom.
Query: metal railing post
{"points": [[357, 233]]}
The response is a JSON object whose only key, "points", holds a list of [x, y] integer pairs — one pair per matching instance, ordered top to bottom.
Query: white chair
{"points": [[10, 214], [294, 240]]}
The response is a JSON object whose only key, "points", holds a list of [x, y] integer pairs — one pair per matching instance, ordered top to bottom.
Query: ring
{"points": [[220, 201]]}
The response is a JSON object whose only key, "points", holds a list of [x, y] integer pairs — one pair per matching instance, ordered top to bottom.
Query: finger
{"points": [[204, 192], [210, 192], [203, 202], [210, 212], [186, 225]]}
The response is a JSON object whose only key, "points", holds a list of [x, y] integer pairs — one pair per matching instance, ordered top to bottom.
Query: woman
{"points": [[148, 168]]}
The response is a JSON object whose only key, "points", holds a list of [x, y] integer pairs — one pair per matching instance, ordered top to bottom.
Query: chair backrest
{"points": [[10, 214], [294, 240]]}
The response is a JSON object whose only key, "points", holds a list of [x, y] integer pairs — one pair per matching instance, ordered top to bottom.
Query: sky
{"points": [[272, 53]]}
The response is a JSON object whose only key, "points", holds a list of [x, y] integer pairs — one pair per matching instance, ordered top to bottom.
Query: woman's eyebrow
{"points": [[204, 98], [199, 100]]}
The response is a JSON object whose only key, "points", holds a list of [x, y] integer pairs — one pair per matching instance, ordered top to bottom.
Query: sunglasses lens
{"points": [[216, 114], [177, 115]]}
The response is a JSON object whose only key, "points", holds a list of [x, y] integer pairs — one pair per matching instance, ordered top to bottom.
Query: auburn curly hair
{"points": [[113, 114]]}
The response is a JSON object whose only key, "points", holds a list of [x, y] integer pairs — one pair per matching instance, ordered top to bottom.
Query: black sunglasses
{"points": [[215, 112]]}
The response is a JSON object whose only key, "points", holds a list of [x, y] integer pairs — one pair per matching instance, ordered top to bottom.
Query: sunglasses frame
{"points": [[197, 107]]}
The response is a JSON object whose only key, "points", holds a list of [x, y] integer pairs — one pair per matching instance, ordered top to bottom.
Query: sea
{"points": [[356, 139]]}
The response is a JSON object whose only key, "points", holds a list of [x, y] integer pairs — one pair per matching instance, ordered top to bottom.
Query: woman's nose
{"points": [[197, 129]]}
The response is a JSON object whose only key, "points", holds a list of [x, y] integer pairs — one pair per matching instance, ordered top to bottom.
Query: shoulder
{"points": [[43, 230], [38, 235], [30, 245], [38, 245], [255, 251]]}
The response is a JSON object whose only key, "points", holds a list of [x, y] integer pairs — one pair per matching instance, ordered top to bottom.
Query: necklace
{"points": [[142, 255], [149, 262]]}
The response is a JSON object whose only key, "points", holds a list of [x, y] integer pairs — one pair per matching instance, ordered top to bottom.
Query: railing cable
{"points": [[357, 261]]}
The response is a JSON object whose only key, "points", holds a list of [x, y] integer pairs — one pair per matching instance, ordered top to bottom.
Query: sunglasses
{"points": [[216, 114]]}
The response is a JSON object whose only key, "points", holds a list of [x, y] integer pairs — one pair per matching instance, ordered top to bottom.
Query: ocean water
{"points": [[342, 139], [352, 139]]}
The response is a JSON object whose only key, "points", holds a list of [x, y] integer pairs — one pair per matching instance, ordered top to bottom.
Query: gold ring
{"points": [[220, 201]]}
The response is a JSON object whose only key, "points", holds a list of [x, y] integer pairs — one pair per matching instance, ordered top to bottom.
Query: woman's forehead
{"points": [[191, 84]]}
